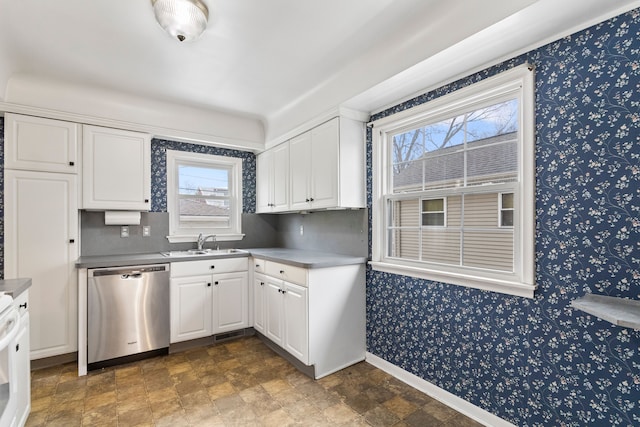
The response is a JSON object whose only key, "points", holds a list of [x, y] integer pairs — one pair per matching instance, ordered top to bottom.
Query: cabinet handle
{"points": [[71, 163], [311, 199], [146, 200], [306, 200], [72, 241], [257, 265], [213, 266], [281, 271], [215, 283], [261, 283], [208, 284], [284, 292], [23, 306], [17, 348]]}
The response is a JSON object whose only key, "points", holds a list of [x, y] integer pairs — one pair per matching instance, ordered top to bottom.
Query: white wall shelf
{"points": [[619, 311]]}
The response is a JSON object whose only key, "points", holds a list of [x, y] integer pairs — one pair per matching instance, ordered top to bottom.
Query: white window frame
{"points": [[517, 82], [188, 232]]}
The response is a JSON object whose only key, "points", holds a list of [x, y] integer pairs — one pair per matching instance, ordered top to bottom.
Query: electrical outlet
{"points": [[146, 230], [302, 230], [124, 231]]}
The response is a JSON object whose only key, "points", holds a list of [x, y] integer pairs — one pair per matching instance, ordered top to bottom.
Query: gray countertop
{"points": [[296, 257], [306, 259], [14, 287]]}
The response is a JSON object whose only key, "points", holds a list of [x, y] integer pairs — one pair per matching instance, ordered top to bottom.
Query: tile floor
{"points": [[237, 383]]}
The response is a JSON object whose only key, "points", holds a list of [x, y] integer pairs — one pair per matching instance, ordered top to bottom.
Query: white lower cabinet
{"points": [[259, 292], [230, 302], [205, 303], [191, 306], [274, 312], [317, 315], [287, 317], [296, 329], [23, 395]]}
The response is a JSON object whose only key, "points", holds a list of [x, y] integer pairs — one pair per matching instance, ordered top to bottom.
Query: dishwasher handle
{"points": [[129, 272]]}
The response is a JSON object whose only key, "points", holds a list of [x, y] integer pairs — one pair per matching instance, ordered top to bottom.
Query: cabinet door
{"points": [[37, 144], [324, 165], [299, 166], [116, 169], [264, 169], [280, 178], [41, 226], [259, 291], [230, 302], [191, 307], [274, 312], [296, 322], [23, 372]]}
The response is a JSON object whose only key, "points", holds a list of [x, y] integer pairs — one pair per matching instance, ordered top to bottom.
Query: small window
{"points": [[204, 195], [506, 210], [433, 214]]}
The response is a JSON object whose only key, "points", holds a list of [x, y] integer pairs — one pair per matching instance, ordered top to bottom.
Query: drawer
{"points": [[258, 265], [209, 266], [286, 272], [22, 302]]}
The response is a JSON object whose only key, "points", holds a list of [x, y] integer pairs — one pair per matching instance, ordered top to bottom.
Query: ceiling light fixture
{"points": [[182, 19]]}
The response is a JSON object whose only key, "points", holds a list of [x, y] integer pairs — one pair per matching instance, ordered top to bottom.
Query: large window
{"points": [[453, 187], [204, 195]]}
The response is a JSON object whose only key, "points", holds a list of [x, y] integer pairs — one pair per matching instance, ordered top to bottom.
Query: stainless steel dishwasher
{"points": [[127, 313]]}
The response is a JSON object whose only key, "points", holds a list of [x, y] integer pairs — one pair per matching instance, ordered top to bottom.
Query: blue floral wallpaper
{"points": [[159, 149], [538, 362]]}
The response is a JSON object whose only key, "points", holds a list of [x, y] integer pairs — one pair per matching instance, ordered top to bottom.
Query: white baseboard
{"points": [[451, 400]]}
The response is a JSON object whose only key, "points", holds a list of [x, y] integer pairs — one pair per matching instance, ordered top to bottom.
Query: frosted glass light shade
{"points": [[184, 19]]}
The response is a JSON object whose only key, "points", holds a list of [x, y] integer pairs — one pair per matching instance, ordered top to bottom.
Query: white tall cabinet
{"points": [[41, 228]]}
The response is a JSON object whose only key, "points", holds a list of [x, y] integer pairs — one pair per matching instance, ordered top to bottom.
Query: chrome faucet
{"points": [[202, 239]]}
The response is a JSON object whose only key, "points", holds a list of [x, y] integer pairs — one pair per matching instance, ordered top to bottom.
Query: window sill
{"points": [[194, 238], [494, 285]]}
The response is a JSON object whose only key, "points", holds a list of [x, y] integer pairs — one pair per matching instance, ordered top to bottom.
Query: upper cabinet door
{"points": [[37, 144], [324, 165], [299, 166], [116, 169], [264, 172], [280, 178]]}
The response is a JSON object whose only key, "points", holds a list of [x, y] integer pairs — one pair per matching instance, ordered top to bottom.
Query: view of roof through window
{"points": [[470, 149], [203, 191]]}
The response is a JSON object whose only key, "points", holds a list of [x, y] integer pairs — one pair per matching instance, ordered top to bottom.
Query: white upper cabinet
{"points": [[38, 144], [327, 166], [116, 169], [273, 180]]}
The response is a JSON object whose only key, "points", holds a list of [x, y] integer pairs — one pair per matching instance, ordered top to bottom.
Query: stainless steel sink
{"points": [[202, 252]]}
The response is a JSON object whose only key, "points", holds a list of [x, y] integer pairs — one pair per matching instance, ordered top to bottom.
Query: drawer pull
{"points": [[71, 163], [213, 266], [281, 271], [261, 283], [208, 284], [23, 306]]}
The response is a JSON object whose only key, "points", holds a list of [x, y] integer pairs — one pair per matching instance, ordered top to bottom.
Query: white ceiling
{"points": [[280, 61]]}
